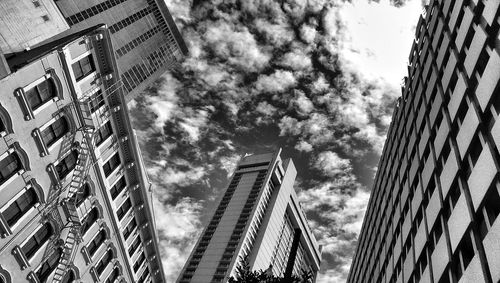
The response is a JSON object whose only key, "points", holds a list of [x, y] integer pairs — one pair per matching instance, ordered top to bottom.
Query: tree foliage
{"points": [[245, 275]]}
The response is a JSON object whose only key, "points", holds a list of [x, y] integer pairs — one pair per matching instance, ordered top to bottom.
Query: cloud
{"points": [[370, 28], [236, 45], [316, 77], [278, 81], [331, 164], [178, 227]]}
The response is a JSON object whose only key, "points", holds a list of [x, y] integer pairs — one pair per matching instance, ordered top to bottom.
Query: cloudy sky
{"points": [[318, 78]]}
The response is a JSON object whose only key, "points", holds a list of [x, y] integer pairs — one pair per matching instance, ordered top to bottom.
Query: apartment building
{"points": [[146, 41], [75, 201], [433, 212], [258, 219]]}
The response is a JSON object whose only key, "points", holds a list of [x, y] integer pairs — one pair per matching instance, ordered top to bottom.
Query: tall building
{"points": [[146, 41], [75, 201], [433, 212], [258, 218]]}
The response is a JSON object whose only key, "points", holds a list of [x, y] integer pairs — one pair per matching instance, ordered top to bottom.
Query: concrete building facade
{"points": [[145, 39], [76, 202], [433, 212], [257, 219]]}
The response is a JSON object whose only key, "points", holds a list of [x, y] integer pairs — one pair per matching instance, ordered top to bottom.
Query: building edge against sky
{"points": [[145, 39], [77, 202], [433, 211], [258, 218]]}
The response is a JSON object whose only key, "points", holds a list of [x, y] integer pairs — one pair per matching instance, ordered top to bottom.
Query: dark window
{"points": [[482, 61], [83, 67], [41, 93], [96, 101], [55, 131], [103, 133], [67, 164], [112, 164], [9, 166], [118, 187], [82, 194], [19, 207], [124, 209], [489, 211], [89, 219], [130, 227], [36, 241], [96, 242], [134, 246], [104, 262], [139, 262], [49, 265], [113, 276], [144, 276], [69, 277]]}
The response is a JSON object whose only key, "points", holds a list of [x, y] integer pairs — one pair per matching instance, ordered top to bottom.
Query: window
{"points": [[83, 68], [41, 93], [96, 101], [55, 131], [103, 133], [67, 164], [111, 164], [9, 166], [118, 187], [82, 194], [19, 207], [124, 209], [489, 210], [89, 219], [130, 227], [36, 241], [96, 242], [134, 246], [463, 255], [104, 262], [139, 262], [49, 265], [114, 275], [144, 276], [69, 277]]}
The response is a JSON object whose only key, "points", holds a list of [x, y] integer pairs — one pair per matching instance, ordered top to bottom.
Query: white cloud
{"points": [[308, 33], [379, 37], [237, 45], [297, 59], [276, 82], [302, 103], [165, 104], [304, 146], [228, 163], [331, 164], [178, 227]]}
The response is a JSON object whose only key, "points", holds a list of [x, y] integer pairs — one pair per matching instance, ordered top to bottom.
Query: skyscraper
{"points": [[146, 41], [75, 201], [432, 215], [258, 218]]}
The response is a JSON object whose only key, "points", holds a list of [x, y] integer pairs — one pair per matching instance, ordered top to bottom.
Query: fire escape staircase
{"points": [[69, 204]]}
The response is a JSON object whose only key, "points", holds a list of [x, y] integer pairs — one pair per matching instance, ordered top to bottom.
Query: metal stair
{"points": [[68, 255]]}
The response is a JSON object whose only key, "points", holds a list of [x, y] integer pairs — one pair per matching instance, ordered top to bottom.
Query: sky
{"points": [[318, 78]]}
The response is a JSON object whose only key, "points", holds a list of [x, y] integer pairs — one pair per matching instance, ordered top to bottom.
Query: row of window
{"points": [[92, 11], [472, 157]]}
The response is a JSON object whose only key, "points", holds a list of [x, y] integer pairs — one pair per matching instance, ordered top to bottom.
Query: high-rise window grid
{"points": [[444, 156]]}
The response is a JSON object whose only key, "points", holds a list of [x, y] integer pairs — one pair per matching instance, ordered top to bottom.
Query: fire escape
{"points": [[69, 201]]}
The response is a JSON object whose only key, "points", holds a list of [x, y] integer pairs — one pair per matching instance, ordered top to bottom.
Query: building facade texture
{"points": [[146, 41], [75, 201], [433, 212], [257, 220]]}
